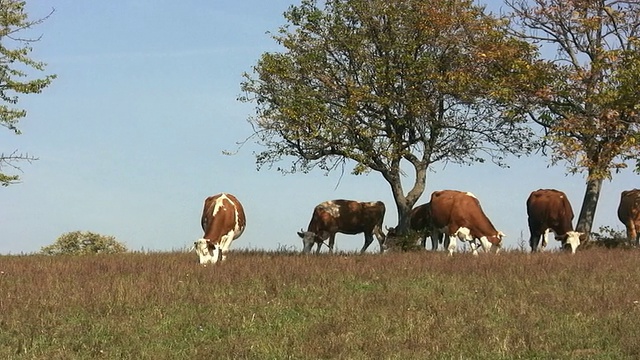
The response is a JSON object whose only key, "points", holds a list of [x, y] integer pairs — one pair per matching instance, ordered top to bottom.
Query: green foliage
{"points": [[15, 67], [382, 84], [590, 108], [609, 237], [409, 241], [82, 243]]}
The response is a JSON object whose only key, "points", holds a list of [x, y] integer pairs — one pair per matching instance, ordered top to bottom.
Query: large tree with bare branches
{"points": [[15, 79], [390, 85], [591, 111]]}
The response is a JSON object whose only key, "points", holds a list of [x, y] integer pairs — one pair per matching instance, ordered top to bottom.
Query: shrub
{"points": [[609, 238], [84, 242], [403, 242]]}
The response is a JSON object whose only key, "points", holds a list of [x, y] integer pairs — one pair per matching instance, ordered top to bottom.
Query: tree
{"points": [[14, 66], [390, 85], [591, 111], [83, 243]]}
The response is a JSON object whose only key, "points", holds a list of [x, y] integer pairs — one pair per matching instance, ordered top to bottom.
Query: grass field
{"points": [[270, 305]]}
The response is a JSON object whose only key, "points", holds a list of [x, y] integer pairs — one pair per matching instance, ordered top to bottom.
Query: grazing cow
{"points": [[550, 209], [629, 214], [459, 215], [347, 217], [223, 221], [421, 223]]}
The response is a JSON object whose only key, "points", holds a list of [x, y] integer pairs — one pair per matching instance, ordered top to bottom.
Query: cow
{"points": [[549, 209], [629, 214], [458, 215], [347, 217], [223, 221], [421, 223]]}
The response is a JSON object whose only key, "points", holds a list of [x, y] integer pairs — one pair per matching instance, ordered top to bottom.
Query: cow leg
{"points": [[632, 235], [380, 236], [436, 236], [368, 239], [332, 240], [534, 240], [225, 244], [453, 244], [318, 246], [474, 247], [215, 254]]}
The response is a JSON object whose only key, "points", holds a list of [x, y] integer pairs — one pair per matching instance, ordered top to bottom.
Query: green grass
{"points": [[268, 305]]}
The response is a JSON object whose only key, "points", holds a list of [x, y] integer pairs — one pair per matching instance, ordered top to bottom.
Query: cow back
{"points": [[550, 208], [629, 208], [455, 209], [221, 214], [346, 216], [421, 217]]}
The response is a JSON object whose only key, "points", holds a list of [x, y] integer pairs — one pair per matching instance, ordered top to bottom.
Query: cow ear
{"points": [[301, 234]]}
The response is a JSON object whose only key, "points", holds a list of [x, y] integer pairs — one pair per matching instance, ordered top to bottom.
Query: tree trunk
{"points": [[405, 203], [589, 205], [404, 215]]}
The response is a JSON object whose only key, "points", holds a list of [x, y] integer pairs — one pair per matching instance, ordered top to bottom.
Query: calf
{"points": [[550, 209], [629, 214], [459, 215], [347, 217], [222, 221]]}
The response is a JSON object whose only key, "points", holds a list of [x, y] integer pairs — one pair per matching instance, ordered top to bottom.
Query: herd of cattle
{"points": [[451, 215]]}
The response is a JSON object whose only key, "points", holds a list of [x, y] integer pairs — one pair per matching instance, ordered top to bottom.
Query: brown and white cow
{"points": [[549, 209], [629, 214], [459, 216], [347, 217], [223, 221], [422, 224]]}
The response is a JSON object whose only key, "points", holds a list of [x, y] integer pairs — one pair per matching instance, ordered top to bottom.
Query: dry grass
{"points": [[261, 305]]}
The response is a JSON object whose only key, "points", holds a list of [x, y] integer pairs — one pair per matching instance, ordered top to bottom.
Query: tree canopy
{"points": [[15, 67], [386, 84], [590, 107]]}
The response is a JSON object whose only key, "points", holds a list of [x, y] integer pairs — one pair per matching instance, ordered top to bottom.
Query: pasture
{"points": [[280, 305]]}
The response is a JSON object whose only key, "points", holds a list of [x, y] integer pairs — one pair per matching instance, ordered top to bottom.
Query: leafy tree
{"points": [[14, 66], [390, 85], [591, 111], [82, 243]]}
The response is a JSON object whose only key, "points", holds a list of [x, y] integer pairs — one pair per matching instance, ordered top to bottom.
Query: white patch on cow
{"points": [[471, 194], [220, 204], [332, 208], [464, 234], [573, 239], [545, 240], [225, 242], [453, 244], [486, 244], [474, 247], [204, 254]]}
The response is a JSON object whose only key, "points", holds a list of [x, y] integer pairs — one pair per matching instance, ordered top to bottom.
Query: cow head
{"points": [[572, 238], [308, 239], [492, 243], [207, 252]]}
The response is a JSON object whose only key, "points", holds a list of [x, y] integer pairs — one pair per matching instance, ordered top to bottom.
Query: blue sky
{"points": [[130, 136]]}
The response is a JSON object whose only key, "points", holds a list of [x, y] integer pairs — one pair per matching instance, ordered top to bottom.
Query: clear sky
{"points": [[131, 136]]}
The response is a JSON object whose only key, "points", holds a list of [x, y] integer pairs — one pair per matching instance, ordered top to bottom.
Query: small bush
{"points": [[609, 238], [403, 242], [82, 243]]}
